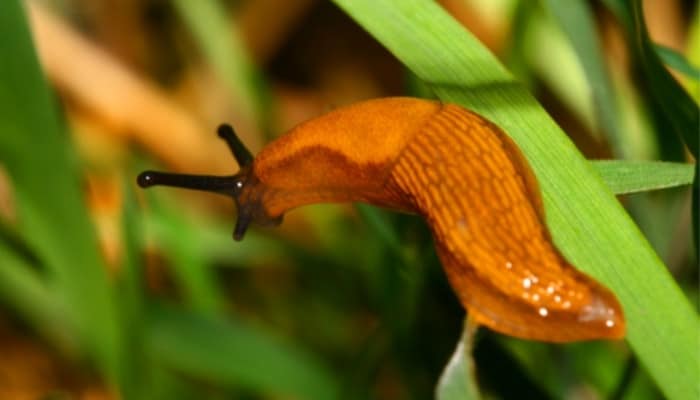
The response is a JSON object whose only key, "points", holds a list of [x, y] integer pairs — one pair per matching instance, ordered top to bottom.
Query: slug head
{"points": [[244, 188]]}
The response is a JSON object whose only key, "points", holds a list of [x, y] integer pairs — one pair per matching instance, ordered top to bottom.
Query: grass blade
{"points": [[576, 20], [223, 47], [677, 61], [682, 112], [35, 150], [624, 177], [588, 224], [187, 261], [23, 290], [132, 300], [233, 354], [458, 379]]}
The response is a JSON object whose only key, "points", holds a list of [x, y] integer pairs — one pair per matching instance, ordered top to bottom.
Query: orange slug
{"points": [[457, 170]]}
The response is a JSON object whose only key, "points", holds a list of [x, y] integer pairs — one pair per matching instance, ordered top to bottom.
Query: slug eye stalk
{"points": [[241, 153], [235, 186]]}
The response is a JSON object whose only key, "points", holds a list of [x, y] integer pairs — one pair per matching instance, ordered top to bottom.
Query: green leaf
{"points": [[576, 20], [545, 41], [223, 47], [677, 61], [678, 108], [679, 112], [624, 177], [52, 215], [378, 222], [587, 222], [210, 238], [187, 260], [26, 293], [132, 300], [232, 353], [457, 381]]}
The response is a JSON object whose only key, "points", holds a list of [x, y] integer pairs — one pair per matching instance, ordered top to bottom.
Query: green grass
{"points": [[576, 20], [224, 48], [623, 177], [54, 222], [587, 222], [68, 297], [304, 341], [458, 379]]}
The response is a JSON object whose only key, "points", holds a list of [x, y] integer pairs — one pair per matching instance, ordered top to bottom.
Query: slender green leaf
{"points": [[575, 18], [545, 41], [222, 46], [692, 50], [516, 54], [677, 61], [678, 108], [679, 113], [624, 177], [52, 217], [588, 224], [383, 228], [212, 239], [187, 262], [26, 293], [132, 301], [231, 353], [458, 380]]}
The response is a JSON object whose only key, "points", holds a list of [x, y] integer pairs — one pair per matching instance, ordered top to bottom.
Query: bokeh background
{"points": [[147, 295]]}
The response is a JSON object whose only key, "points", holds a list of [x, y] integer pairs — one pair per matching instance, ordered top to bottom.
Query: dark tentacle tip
{"points": [[224, 131], [146, 179], [244, 220]]}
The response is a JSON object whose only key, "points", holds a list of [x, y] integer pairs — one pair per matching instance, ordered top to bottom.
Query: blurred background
{"points": [[147, 295]]}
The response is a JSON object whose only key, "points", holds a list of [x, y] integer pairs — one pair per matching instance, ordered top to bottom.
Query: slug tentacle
{"points": [[238, 149], [462, 174], [226, 185], [244, 188]]}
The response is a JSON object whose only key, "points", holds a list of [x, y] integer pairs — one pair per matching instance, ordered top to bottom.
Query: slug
{"points": [[454, 168]]}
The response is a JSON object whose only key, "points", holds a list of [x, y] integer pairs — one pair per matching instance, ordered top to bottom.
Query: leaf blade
{"points": [[623, 177], [50, 208], [588, 224], [235, 354], [457, 381]]}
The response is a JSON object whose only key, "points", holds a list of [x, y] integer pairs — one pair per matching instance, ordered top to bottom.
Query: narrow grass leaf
{"points": [[576, 19], [223, 47], [677, 61], [669, 97], [680, 113], [624, 177], [52, 215], [378, 222], [587, 222], [213, 239], [188, 262], [24, 291], [132, 300], [234, 354], [457, 381]]}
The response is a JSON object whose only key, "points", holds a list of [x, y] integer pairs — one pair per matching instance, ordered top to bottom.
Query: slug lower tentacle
{"points": [[457, 170]]}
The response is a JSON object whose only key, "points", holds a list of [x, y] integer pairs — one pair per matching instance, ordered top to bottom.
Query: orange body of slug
{"points": [[473, 187]]}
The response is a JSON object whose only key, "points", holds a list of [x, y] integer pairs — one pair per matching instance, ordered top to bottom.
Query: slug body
{"points": [[463, 175]]}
